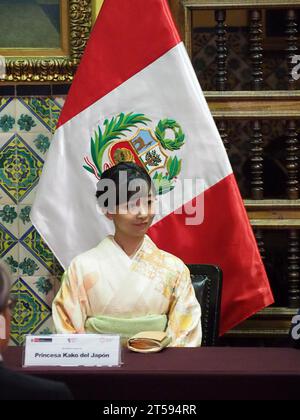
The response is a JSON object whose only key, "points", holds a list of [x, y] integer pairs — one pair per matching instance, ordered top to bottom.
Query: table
{"points": [[183, 374]]}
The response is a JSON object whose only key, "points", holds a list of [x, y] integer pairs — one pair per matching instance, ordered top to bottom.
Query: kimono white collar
{"points": [[108, 243], [117, 245]]}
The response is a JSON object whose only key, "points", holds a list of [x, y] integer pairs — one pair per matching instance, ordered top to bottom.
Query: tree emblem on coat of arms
{"points": [[129, 138]]}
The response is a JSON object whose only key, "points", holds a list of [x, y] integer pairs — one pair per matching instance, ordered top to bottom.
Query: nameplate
{"points": [[72, 350]]}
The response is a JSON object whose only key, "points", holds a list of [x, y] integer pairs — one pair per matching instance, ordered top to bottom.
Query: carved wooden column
{"points": [[256, 48], [292, 49], [222, 52], [256, 56], [223, 130], [292, 145], [292, 148], [292, 165], [257, 184], [259, 235], [293, 270]]}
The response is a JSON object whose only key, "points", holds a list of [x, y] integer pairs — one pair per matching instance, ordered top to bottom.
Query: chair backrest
{"points": [[207, 282]]}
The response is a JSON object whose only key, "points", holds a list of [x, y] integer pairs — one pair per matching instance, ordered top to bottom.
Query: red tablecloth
{"points": [[202, 373]]}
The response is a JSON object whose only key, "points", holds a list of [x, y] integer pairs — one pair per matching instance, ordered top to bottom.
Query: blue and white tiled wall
{"points": [[28, 116]]}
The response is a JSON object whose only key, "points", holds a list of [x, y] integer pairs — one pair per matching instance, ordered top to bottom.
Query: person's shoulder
{"points": [[91, 255], [170, 261], [174, 262], [18, 386]]}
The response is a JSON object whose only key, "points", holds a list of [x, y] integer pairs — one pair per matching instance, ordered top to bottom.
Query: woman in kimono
{"points": [[126, 285]]}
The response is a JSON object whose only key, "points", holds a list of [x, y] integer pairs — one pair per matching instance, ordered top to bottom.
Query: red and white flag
{"points": [[136, 97]]}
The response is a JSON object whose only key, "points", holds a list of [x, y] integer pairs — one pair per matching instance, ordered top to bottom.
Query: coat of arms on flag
{"points": [[148, 147]]}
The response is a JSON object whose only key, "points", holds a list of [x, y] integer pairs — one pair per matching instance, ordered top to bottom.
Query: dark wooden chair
{"points": [[207, 282]]}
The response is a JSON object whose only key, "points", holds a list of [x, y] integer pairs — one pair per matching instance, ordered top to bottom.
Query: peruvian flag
{"points": [[136, 97]]}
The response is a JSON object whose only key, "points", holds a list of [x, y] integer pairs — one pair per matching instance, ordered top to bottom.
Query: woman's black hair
{"points": [[133, 173]]}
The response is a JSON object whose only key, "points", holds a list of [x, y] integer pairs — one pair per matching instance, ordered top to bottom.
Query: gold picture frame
{"points": [[53, 64]]}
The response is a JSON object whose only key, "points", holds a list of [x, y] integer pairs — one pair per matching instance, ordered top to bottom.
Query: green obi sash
{"points": [[125, 327]]}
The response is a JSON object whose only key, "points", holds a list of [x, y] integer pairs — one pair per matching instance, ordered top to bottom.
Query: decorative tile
{"points": [[58, 101], [4, 102], [57, 104], [40, 108], [7, 115], [32, 115], [26, 122], [7, 123], [26, 127], [4, 139], [39, 142], [42, 143], [8, 158], [20, 168], [28, 169], [4, 197], [29, 198], [9, 218], [24, 222], [6, 236], [6, 248], [37, 248], [9, 253], [12, 259], [29, 265], [44, 286], [30, 312], [14, 327], [47, 328]]}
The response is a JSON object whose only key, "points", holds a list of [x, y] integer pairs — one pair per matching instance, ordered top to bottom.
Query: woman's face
{"points": [[134, 218]]}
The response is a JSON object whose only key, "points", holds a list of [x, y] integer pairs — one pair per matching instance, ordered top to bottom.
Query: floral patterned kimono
{"points": [[106, 291]]}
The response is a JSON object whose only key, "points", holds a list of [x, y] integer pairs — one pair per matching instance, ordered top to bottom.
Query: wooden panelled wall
{"points": [[256, 106]]}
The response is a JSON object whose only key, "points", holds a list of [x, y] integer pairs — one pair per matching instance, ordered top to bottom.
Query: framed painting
{"points": [[43, 40]]}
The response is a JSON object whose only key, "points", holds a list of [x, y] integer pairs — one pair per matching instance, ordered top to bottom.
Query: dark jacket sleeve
{"points": [[16, 386], [62, 392]]}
